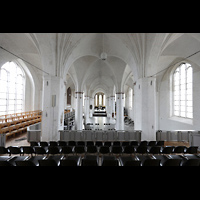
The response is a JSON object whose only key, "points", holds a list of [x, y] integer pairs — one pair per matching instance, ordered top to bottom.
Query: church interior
{"points": [[99, 99]]}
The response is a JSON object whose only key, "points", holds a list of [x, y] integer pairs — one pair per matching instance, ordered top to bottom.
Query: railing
{"points": [[34, 132], [91, 135], [175, 135]]}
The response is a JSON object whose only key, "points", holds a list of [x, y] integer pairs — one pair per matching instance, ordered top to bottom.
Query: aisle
{"points": [[101, 121], [20, 140]]}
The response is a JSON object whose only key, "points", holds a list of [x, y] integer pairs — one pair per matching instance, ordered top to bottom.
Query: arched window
{"points": [[12, 87], [182, 91], [69, 96], [130, 97], [100, 100], [96, 103]]}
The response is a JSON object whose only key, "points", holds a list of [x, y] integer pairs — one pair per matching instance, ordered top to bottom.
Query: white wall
{"points": [[166, 121]]}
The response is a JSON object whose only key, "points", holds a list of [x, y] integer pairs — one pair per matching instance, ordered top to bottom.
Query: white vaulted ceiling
{"points": [[130, 56]]}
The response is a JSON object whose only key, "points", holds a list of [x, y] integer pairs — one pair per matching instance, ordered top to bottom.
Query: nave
{"points": [[101, 123]]}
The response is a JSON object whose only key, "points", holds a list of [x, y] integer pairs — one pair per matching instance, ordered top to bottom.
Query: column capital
{"points": [[78, 92], [119, 92]]}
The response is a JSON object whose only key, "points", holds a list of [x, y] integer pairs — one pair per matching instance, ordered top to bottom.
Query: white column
{"points": [[73, 99], [91, 102], [112, 105], [108, 107], [145, 107], [53, 108], [86, 108], [47, 110], [79, 111], [119, 111]]}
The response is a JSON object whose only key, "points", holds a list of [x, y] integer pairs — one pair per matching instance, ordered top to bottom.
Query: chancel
{"points": [[99, 99]]}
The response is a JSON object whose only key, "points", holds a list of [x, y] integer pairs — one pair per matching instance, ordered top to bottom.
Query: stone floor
{"points": [[21, 140]]}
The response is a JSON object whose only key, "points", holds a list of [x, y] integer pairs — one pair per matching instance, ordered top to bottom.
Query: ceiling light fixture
{"points": [[103, 54]]}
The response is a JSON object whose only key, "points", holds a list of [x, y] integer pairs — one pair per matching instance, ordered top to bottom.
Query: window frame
{"points": [[188, 65], [16, 93], [130, 98]]}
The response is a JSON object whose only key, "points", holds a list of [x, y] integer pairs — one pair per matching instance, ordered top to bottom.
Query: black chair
{"points": [[33, 143], [53, 143], [62, 143], [71, 143], [80, 143], [89, 143], [99, 143], [107, 143], [116, 143], [125, 143], [134, 143], [143, 143], [152, 143], [160, 143], [44, 144], [79, 149], [91, 149], [104, 149], [116, 149], [129, 149], [141, 149], [179, 149], [192, 149], [3, 150], [14, 150], [27, 150], [40, 150], [53, 150], [66, 150], [155, 150], [167, 150], [4, 158], [56, 158], [14, 159], [35, 160], [70, 161], [90, 161], [109, 161], [128, 161], [151, 162], [172, 162], [191, 162], [5, 163], [25, 163], [45, 163]]}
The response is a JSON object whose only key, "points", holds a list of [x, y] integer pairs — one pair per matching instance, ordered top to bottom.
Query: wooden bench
{"points": [[12, 124]]}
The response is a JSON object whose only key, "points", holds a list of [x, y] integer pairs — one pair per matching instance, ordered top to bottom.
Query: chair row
{"points": [[98, 143], [79, 149], [139, 160]]}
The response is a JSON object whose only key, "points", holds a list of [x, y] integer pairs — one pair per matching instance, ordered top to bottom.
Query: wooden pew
{"points": [[17, 122]]}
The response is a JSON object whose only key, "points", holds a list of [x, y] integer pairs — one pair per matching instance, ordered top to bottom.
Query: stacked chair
{"points": [[99, 153]]}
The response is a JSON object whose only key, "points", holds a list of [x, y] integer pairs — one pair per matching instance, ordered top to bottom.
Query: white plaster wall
{"points": [[29, 104], [166, 121]]}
